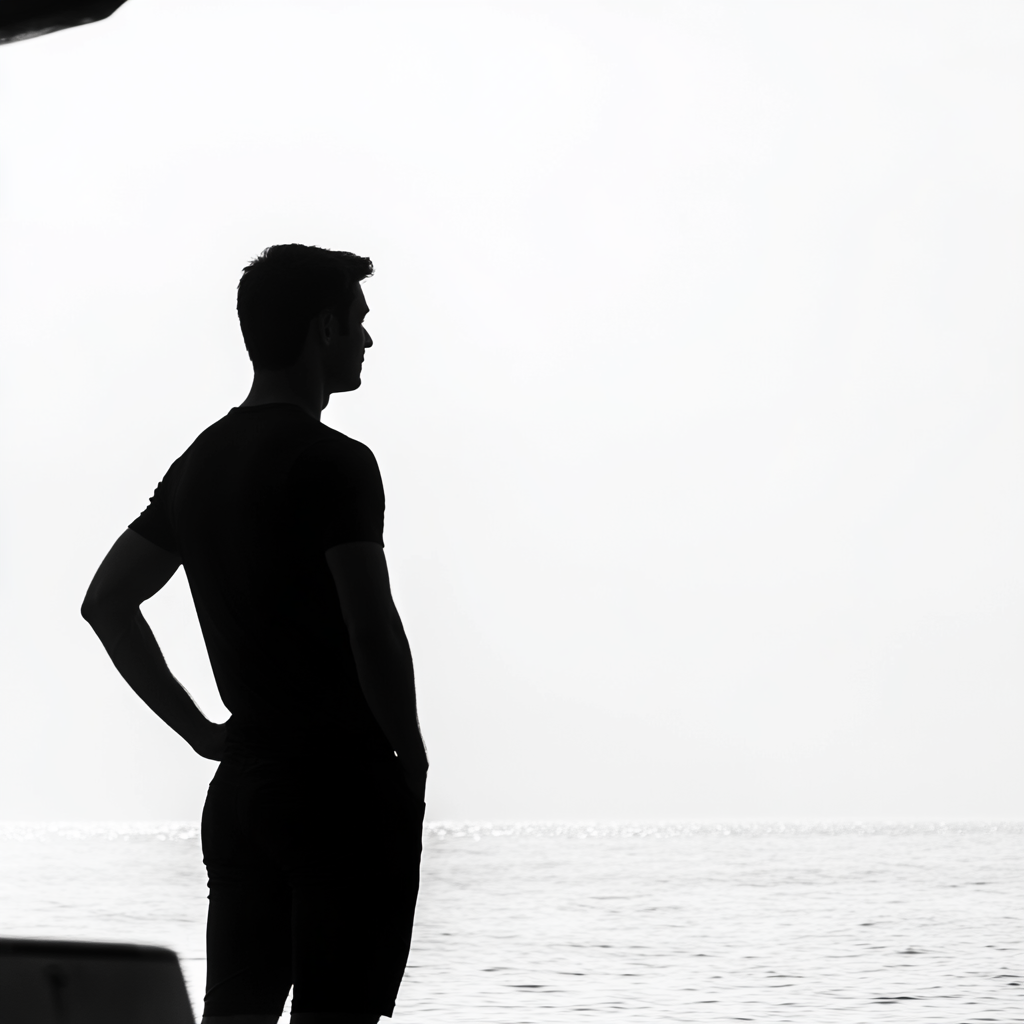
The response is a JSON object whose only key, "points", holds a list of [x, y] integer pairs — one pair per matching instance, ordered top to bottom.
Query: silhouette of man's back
{"points": [[250, 509], [311, 829]]}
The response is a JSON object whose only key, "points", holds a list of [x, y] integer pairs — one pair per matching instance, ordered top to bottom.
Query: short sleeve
{"points": [[338, 488], [155, 522]]}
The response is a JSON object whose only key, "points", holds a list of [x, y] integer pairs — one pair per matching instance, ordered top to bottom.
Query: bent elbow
{"points": [[93, 604], [104, 614]]}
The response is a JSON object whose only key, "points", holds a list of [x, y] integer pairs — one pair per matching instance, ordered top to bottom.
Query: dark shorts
{"points": [[313, 875]]}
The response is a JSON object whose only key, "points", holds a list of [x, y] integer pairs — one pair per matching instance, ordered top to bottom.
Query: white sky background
{"points": [[696, 386]]}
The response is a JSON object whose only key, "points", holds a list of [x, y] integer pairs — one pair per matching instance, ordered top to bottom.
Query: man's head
{"points": [[289, 291]]}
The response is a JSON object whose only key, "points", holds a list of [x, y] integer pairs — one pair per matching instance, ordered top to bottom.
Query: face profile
{"points": [[343, 349]]}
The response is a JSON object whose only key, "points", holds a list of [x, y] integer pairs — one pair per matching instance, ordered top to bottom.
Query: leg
{"points": [[354, 888], [248, 928], [248, 952]]}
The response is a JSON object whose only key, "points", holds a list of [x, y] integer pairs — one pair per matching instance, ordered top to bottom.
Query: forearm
{"points": [[133, 649], [384, 664]]}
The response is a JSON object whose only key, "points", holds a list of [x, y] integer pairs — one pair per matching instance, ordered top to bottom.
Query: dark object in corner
{"points": [[23, 19], [52, 982]]}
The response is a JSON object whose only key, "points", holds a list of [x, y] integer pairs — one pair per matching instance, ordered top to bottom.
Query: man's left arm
{"points": [[133, 571]]}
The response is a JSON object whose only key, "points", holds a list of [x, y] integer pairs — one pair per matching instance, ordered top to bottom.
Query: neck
{"points": [[288, 386]]}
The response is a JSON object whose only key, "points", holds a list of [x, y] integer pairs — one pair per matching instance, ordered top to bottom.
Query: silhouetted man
{"points": [[312, 824]]}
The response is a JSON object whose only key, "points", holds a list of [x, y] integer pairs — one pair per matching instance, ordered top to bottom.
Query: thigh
{"points": [[354, 895], [248, 924]]}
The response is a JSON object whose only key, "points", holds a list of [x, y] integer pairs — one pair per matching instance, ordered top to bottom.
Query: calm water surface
{"points": [[531, 924]]}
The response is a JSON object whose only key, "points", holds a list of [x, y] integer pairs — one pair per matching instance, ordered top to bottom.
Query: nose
{"points": [[368, 342]]}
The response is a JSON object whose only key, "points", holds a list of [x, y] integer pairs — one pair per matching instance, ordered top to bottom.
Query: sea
{"points": [[549, 923]]}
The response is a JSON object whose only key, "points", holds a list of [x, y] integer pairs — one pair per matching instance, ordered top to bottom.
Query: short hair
{"points": [[284, 288]]}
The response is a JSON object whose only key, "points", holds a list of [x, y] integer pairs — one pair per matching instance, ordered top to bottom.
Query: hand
{"points": [[211, 743]]}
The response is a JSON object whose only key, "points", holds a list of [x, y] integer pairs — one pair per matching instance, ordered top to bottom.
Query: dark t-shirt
{"points": [[250, 508]]}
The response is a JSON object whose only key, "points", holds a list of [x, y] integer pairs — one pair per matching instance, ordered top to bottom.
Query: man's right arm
{"points": [[381, 651]]}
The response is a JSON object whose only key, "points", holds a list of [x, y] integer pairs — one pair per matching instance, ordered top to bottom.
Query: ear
{"points": [[340, 325], [324, 327]]}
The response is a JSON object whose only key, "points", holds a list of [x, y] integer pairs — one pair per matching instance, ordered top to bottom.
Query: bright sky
{"points": [[696, 385]]}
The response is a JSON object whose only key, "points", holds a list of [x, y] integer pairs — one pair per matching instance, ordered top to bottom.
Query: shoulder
{"points": [[213, 432], [210, 437], [330, 446], [333, 463], [337, 482]]}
